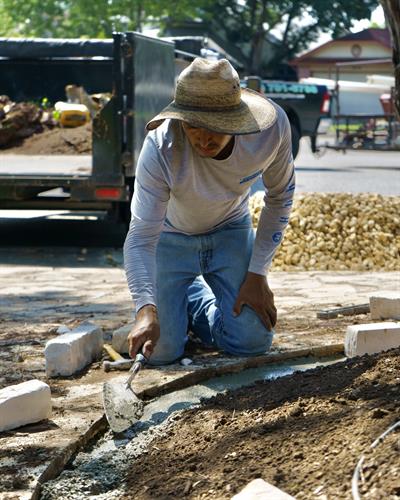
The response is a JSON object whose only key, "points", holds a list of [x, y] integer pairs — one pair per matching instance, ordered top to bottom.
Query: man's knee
{"points": [[246, 335], [165, 353]]}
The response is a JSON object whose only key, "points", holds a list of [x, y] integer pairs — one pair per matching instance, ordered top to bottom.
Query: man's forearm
{"points": [[271, 228], [140, 263]]}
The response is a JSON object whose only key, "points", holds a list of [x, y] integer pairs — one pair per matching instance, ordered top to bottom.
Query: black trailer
{"points": [[140, 71]]}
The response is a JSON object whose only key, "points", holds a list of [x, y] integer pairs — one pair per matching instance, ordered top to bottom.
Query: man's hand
{"points": [[256, 294], [145, 333]]}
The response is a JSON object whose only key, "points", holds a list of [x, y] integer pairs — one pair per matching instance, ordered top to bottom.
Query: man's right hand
{"points": [[145, 332]]}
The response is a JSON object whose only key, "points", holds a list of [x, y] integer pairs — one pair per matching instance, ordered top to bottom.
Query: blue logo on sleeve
{"points": [[250, 177], [276, 237]]}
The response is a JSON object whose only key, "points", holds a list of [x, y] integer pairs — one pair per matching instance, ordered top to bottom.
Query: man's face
{"points": [[206, 143]]}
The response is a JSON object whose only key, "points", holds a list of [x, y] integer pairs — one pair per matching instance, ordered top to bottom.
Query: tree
{"points": [[392, 15], [80, 18], [243, 23], [246, 24]]}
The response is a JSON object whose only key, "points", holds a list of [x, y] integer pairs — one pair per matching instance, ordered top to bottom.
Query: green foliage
{"points": [[81, 18], [244, 23], [247, 23]]}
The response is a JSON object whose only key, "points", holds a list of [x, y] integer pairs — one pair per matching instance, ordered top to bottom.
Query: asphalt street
{"points": [[354, 171], [351, 172]]}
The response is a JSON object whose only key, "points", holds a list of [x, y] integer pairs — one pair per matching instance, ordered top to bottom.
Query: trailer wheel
{"points": [[295, 139]]}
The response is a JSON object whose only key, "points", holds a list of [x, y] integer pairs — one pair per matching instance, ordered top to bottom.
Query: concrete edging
{"points": [[195, 376]]}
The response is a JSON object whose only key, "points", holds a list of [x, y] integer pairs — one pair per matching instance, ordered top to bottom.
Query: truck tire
{"points": [[295, 139]]}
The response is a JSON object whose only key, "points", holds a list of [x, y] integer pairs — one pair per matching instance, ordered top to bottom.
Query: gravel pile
{"points": [[338, 231]]}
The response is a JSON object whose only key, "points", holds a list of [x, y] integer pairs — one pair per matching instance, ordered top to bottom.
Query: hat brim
{"points": [[255, 113]]}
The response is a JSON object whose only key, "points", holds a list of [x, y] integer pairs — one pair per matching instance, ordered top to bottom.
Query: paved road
{"points": [[353, 171]]}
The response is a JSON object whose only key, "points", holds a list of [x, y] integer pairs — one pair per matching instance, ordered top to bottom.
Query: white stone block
{"points": [[385, 305], [63, 329], [371, 338], [120, 339], [71, 352], [23, 404], [258, 489]]}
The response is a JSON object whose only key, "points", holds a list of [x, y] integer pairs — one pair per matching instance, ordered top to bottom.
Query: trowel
{"points": [[121, 405]]}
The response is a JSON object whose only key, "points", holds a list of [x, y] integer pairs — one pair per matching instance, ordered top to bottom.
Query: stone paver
{"points": [[385, 305], [371, 338], [71, 352], [23, 404]]}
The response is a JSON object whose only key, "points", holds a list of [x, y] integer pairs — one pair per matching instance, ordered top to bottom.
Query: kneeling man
{"points": [[191, 256]]}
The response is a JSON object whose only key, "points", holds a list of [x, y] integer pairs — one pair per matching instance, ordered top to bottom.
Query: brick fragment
{"points": [[23, 404]]}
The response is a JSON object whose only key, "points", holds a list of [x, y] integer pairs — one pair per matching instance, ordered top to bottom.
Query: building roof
{"points": [[378, 35], [344, 60]]}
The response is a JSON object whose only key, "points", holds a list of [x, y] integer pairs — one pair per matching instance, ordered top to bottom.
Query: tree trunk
{"points": [[392, 14], [257, 43]]}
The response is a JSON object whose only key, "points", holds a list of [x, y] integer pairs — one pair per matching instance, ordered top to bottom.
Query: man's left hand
{"points": [[256, 294]]}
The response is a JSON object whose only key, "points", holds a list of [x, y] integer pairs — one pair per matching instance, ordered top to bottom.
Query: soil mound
{"points": [[61, 141], [303, 433]]}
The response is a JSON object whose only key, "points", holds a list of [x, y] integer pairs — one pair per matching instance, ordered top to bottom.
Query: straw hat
{"points": [[208, 95]]}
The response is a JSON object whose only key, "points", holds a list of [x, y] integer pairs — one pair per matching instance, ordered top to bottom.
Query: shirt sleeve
{"points": [[279, 182], [148, 208]]}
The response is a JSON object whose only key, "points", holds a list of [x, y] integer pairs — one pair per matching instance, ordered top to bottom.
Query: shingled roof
{"points": [[371, 34], [378, 35]]}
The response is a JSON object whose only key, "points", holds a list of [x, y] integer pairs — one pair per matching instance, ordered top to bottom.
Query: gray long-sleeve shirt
{"points": [[177, 190]]}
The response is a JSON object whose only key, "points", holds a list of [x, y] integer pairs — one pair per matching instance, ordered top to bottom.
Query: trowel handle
{"points": [[141, 358], [140, 361]]}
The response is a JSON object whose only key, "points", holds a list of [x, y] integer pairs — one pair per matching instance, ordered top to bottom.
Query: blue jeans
{"points": [[198, 281]]}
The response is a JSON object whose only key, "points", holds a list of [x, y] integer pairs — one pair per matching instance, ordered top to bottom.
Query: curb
{"points": [[58, 463]]}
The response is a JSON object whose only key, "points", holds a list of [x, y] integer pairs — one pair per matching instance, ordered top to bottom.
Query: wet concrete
{"points": [[99, 472]]}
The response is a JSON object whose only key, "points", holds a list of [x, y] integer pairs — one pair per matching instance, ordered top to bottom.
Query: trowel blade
{"points": [[122, 407]]}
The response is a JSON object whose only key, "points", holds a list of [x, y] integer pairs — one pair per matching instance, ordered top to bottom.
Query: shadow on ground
{"points": [[38, 231], [43, 241]]}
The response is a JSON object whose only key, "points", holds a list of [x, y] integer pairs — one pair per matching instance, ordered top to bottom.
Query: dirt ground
{"points": [[56, 141], [42, 291], [22, 344], [303, 433]]}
